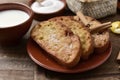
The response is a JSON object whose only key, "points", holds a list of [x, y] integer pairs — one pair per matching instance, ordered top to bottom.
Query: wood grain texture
{"points": [[16, 75]]}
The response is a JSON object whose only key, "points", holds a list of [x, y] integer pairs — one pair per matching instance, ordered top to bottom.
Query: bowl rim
{"points": [[64, 2], [31, 14]]}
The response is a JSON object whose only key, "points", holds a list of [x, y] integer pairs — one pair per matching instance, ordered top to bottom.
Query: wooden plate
{"points": [[40, 57]]}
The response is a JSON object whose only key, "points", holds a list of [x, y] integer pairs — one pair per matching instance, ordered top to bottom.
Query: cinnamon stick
{"points": [[76, 18], [82, 18], [101, 27]]}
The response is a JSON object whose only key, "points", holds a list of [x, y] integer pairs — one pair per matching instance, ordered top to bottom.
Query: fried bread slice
{"points": [[78, 29], [101, 39], [58, 41]]}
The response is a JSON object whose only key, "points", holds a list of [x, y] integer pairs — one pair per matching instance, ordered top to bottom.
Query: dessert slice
{"points": [[78, 29], [58, 41]]}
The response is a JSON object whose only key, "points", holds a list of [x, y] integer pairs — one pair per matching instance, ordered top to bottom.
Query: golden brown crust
{"points": [[78, 29], [101, 39], [67, 40], [58, 41]]}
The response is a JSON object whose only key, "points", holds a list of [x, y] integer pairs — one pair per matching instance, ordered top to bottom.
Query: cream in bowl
{"points": [[47, 6], [46, 9], [10, 18], [15, 21]]}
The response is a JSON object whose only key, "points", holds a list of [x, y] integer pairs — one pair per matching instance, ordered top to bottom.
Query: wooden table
{"points": [[15, 64]]}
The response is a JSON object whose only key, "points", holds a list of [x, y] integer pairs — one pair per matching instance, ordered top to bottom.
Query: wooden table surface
{"points": [[15, 64]]}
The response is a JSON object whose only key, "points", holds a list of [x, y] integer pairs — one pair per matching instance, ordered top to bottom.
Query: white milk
{"points": [[47, 6], [10, 18]]}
